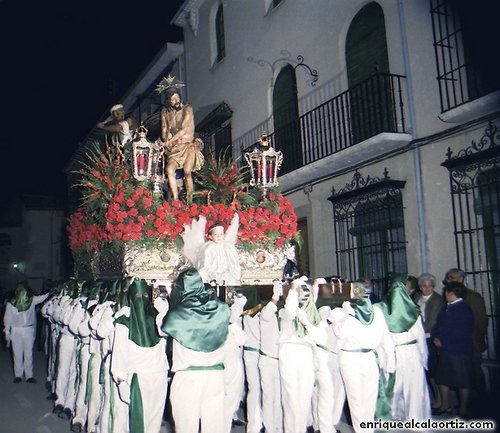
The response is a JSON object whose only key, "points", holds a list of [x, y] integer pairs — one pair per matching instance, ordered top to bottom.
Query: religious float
{"points": [[127, 225]]}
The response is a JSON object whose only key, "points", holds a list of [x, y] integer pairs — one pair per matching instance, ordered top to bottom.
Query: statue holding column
{"points": [[182, 149]]}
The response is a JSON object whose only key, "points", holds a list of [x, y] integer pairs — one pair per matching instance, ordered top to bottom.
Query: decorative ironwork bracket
{"points": [[286, 57], [487, 147], [360, 186]]}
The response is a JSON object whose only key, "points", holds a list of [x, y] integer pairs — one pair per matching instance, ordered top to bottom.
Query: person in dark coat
{"points": [[452, 335]]}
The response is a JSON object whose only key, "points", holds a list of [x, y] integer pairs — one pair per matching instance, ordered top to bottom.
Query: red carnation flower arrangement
{"points": [[117, 209]]}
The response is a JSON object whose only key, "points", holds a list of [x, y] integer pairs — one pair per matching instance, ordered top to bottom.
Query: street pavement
{"points": [[24, 407]]}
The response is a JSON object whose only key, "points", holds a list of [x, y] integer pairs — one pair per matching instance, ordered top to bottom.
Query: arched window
{"points": [[219, 34], [366, 45], [367, 64], [286, 119]]}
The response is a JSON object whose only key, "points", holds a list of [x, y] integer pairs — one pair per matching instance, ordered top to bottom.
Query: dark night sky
{"points": [[58, 58]]}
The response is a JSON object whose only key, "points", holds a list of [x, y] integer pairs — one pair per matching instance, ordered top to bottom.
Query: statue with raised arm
{"points": [[120, 126], [183, 151]]}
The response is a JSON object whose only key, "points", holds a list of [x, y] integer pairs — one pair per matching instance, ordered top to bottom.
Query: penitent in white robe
{"points": [[363, 348], [151, 366], [411, 393], [272, 413]]}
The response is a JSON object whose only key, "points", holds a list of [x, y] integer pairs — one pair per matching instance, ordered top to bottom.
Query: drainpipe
{"points": [[417, 163]]}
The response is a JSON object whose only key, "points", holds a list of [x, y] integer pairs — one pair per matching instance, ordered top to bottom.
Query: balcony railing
{"points": [[373, 106]]}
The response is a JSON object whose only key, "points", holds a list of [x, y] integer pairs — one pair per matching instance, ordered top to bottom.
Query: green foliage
{"points": [[222, 181]]}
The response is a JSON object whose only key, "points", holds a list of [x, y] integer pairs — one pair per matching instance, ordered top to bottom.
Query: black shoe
{"points": [[17, 380], [31, 380], [52, 396], [58, 409], [439, 411], [65, 414], [238, 422], [76, 427]]}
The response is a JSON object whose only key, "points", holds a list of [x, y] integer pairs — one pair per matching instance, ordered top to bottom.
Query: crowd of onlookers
{"points": [[456, 333]]}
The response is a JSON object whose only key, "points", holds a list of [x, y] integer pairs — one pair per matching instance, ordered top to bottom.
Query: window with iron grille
{"points": [[219, 34], [463, 46], [215, 131], [217, 143], [475, 197], [369, 229]]}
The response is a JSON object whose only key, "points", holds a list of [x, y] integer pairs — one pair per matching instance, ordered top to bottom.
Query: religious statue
{"points": [[182, 149]]}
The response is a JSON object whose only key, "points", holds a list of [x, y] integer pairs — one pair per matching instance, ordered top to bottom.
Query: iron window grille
{"points": [[219, 34], [463, 72], [475, 196], [369, 229]]}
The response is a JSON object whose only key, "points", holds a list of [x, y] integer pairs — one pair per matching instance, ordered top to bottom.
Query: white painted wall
{"points": [[317, 30]]}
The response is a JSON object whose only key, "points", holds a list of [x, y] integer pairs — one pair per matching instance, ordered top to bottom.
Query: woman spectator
{"points": [[430, 303], [452, 335]]}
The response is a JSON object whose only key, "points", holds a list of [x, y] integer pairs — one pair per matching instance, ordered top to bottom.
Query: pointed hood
{"points": [[197, 319]]}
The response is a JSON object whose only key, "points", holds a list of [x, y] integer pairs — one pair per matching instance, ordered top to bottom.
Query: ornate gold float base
{"points": [[109, 262], [153, 262], [84, 265], [262, 267]]}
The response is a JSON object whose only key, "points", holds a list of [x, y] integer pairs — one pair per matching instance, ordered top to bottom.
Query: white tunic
{"points": [[219, 262], [363, 348], [150, 364], [411, 393]]}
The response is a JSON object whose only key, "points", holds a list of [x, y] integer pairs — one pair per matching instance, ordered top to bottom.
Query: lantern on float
{"points": [[147, 159], [264, 163]]}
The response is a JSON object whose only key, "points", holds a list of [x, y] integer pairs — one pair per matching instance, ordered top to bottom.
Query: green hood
{"points": [[22, 298], [399, 310], [197, 319], [142, 320]]}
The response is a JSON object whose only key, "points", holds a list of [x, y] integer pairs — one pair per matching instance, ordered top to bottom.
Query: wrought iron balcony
{"points": [[373, 106]]}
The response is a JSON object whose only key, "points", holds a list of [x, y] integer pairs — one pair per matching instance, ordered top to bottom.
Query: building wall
{"points": [[318, 32], [44, 247], [37, 248]]}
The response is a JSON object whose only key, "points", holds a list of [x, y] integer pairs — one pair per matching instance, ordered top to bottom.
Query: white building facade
{"points": [[388, 116], [388, 120]]}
